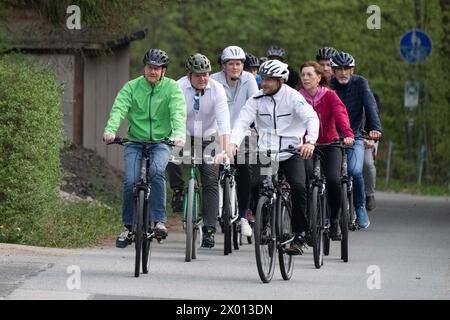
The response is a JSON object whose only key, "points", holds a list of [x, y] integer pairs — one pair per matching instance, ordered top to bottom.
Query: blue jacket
{"points": [[358, 100]]}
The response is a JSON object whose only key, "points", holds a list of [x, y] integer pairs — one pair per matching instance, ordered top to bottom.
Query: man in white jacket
{"points": [[239, 85], [281, 116], [207, 117]]}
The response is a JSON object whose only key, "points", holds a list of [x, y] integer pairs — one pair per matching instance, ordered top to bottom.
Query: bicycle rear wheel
{"points": [[226, 217], [284, 217], [189, 220], [345, 220], [316, 227], [139, 232], [265, 239], [146, 244]]}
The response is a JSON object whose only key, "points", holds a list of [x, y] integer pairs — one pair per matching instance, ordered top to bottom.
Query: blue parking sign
{"points": [[415, 46]]}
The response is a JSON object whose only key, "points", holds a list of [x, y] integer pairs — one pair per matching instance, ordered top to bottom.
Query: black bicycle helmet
{"points": [[276, 51], [325, 53], [156, 57], [342, 59], [251, 61], [198, 63]]}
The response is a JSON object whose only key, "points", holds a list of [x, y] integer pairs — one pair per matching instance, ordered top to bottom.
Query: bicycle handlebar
{"points": [[122, 141]]}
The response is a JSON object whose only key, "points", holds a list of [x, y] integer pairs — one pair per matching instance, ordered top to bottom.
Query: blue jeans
{"points": [[159, 157], [355, 162]]}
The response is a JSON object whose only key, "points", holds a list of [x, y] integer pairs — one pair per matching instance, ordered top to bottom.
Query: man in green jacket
{"points": [[156, 110]]}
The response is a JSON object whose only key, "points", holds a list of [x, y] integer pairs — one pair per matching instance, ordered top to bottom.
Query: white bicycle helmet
{"points": [[233, 53], [274, 69]]}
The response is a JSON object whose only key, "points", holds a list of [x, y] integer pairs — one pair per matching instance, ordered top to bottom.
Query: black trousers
{"points": [[332, 169], [295, 172], [209, 175]]}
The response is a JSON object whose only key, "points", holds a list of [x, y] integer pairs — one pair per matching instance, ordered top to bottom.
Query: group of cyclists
{"points": [[252, 104]]}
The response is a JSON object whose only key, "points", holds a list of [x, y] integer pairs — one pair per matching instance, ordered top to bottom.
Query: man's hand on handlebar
{"points": [[108, 137], [306, 150]]}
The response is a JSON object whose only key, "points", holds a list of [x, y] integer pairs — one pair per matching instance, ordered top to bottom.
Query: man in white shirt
{"points": [[239, 85], [281, 116], [207, 117]]}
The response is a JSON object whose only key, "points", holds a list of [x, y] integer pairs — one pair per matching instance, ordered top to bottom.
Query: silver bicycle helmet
{"points": [[233, 53], [274, 69]]}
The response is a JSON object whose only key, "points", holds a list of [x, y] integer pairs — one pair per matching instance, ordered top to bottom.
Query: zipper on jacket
{"points": [[150, 112]]}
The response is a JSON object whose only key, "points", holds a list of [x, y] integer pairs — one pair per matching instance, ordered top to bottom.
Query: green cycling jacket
{"points": [[154, 112]]}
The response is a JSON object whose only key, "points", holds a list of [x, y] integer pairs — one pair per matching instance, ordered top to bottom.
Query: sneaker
{"points": [[177, 201], [370, 203], [249, 216], [362, 218], [160, 230], [246, 230], [335, 231], [208, 237], [124, 238], [296, 247]]}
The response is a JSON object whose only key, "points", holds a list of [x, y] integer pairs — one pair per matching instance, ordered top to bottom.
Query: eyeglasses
{"points": [[196, 102]]}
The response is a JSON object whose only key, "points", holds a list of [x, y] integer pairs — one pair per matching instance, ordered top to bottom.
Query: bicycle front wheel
{"points": [[226, 217], [284, 217], [189, 220], [316, 227], [139, 232], [264, 239], [146, 244]]}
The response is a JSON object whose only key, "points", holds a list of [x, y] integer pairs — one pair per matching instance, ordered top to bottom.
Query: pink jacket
{"points": [[331, 112]]}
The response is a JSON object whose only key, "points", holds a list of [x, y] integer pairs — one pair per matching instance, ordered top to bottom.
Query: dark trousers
{"points": [[295, 172], [209, 175]]}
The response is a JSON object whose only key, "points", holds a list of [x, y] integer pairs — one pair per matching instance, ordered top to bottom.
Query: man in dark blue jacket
{"points": [[355, 93]]}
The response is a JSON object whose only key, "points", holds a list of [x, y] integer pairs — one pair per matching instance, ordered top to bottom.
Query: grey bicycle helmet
{"points": [[276, 51], [325, 53], [156, 57], [342, 59], [251, 61], [198, 63], [274, 69]]}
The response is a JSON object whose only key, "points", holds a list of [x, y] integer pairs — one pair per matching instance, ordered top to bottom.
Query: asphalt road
{"points": [[405, 254]]}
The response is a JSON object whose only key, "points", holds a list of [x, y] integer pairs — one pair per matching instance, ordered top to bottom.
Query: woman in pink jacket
{"points": [[331, 112]]}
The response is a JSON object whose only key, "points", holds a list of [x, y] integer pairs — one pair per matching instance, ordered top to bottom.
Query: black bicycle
{"points": [[228, 207], [317, 207], [347, 210], [273, 228], [142, 232]]}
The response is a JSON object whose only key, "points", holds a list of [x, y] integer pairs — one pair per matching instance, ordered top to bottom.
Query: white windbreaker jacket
{"points": [[280, 120]]}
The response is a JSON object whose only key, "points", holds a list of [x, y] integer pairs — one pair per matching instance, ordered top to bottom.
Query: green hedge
{"points": [[31, 138]]}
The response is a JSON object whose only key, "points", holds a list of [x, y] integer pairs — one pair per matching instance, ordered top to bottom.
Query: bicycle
{"points": [[228, 207], [317, 207], [347, 210], [273, 229], [141, 233]]}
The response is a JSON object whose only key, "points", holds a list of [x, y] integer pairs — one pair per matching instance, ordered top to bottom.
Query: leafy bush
{"points": [[30, 142]]}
